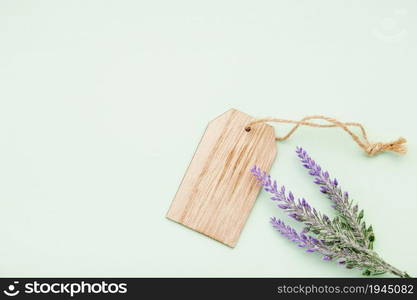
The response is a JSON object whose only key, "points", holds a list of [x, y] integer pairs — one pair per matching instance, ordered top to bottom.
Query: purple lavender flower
{"points": [[341, 203], [299, 210], [345, 237], [302, 240]]}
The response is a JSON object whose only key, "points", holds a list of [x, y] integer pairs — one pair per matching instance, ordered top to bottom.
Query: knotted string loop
{"points": [[371, 149]]}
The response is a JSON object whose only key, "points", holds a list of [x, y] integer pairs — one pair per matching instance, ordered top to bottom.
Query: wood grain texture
{"points": [[218, 192]]}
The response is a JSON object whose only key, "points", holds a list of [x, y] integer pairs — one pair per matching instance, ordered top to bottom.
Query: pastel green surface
{"points": [[102, 104]]}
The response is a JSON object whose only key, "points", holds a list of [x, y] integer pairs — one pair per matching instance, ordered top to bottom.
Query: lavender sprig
{"points": [[301, 211], [348, 216], [334, 239], [302, 240], [345, 257]]}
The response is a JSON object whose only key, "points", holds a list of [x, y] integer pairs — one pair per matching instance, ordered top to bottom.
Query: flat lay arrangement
{"points": [[195, 146], [216, 194]]}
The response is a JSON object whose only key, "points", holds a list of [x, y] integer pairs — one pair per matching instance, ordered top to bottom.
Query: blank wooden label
{"points": [[218, 190]]}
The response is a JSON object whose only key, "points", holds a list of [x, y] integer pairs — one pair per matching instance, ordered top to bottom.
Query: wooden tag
{"points": [[218, 191]]}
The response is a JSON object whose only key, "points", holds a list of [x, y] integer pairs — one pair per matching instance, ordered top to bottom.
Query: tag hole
{"points": [[247, 129]]}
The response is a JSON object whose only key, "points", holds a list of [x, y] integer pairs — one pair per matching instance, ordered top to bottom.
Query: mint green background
{"points": [[102, 104]]}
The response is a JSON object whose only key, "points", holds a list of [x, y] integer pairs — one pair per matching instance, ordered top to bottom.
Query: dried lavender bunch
{"points": [[344, 238]]}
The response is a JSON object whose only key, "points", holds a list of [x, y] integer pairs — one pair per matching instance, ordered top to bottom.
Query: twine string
{"points": [[363, 142]]}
